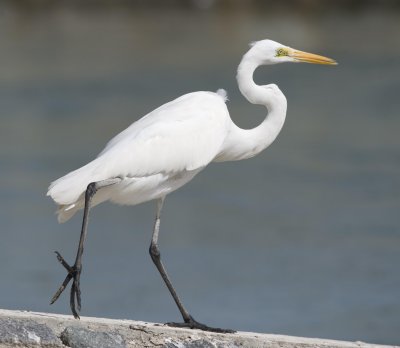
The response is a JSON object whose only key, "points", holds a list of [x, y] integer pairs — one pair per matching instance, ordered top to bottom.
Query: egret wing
{"points": [[183, 135]]}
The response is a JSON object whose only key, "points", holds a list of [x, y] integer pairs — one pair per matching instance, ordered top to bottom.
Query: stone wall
{"points": [[31, 329]]}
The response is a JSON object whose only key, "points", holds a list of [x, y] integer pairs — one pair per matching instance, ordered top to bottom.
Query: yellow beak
{"points": [[311, 58]]}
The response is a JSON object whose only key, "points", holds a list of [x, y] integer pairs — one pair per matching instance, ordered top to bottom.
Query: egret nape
{"points": [[166, 149]]}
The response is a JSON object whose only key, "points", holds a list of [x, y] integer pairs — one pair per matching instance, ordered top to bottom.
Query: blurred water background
{"points": [[302, 240]]}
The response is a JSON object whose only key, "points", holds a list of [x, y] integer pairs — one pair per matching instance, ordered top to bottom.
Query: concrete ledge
{"points": [[31, 329]]}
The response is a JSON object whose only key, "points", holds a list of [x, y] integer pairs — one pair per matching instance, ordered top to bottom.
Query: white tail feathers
{"points": [[68, 190], [65, 212]]}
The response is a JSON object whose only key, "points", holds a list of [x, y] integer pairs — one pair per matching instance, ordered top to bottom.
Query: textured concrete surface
{"points": [[31, 329], [14, 331]]}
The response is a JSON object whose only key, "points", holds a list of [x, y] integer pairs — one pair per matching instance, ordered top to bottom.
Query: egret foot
{"points": [[74, 273], [193, 324]]}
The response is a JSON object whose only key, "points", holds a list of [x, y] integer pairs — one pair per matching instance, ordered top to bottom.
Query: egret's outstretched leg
{"points": [[154, 250], [75, 270]]}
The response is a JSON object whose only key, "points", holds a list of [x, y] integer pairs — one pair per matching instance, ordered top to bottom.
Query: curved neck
{"points": [[254, 93], [245, 143]]}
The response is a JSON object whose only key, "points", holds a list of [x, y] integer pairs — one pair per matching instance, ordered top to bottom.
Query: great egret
{"points": [[165, 149]]}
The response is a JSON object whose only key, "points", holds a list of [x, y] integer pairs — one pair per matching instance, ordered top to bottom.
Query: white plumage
{"points": [[165, 149], [154, 156]]}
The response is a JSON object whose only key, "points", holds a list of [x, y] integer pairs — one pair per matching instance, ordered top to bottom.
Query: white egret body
{"points": [[166, 148], [154, 156]]}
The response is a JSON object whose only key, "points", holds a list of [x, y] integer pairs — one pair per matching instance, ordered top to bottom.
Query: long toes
{"points": [[64, 263], [61, 288], [57, 294], [75, 294], [78, 294], [75, 309], [193, 324], [203, 327]]}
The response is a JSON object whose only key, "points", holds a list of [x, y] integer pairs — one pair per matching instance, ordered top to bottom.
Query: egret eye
{"points": [[281, 52]]}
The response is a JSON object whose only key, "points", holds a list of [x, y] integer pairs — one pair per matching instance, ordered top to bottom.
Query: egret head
{"points": [[271, 52]]}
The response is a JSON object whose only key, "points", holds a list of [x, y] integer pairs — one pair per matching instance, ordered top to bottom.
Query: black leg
{"points": [[154, 250], [74, 272]]}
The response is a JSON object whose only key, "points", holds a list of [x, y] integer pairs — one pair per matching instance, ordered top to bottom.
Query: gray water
{"points": [[302, 240]]}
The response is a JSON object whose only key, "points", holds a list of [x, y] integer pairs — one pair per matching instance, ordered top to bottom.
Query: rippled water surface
{"points": [[302, 240]]}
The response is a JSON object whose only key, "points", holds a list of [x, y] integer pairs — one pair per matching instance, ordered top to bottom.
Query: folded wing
{"points": [[185, 134]]}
